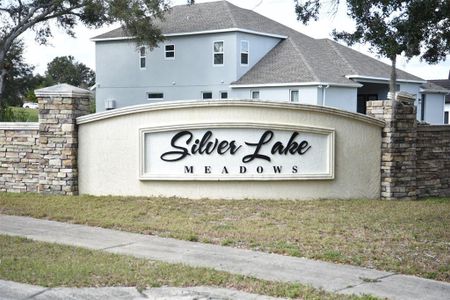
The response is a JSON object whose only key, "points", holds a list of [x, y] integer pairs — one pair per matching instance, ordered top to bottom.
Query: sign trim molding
{"points": [[329, 132]]}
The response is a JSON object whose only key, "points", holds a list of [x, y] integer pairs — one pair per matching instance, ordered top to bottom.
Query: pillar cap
{"points": [[62, 90]]}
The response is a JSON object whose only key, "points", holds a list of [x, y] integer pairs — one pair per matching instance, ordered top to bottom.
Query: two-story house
{"points": [[217, 50]]}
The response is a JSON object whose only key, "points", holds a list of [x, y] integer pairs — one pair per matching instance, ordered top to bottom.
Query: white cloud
{"points": [[281, 11]]}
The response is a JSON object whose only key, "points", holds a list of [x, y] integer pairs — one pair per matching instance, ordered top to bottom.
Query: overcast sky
{"points": [[281, 11]]}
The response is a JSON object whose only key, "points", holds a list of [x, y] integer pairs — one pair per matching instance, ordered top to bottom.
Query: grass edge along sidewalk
{"points": [[408, 237], [53, 265], [343, 279]]}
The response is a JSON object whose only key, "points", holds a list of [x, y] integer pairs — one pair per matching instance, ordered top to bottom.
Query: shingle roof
{"points": [[208, 16], [299, 58]]}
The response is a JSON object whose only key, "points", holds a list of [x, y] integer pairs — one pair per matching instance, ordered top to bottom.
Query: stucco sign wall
{"points": [[230, 149], [237, 152]]}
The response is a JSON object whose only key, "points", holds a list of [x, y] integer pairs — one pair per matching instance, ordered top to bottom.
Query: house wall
{"points": [[259, 47], [120, 78], [307, 94], [339, 97], [434, 109]]}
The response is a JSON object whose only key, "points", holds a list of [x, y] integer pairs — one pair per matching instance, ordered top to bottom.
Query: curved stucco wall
{"points": [[109, 151]]}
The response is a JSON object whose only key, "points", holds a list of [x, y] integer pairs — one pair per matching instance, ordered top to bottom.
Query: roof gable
{"points": [[209, 16]]}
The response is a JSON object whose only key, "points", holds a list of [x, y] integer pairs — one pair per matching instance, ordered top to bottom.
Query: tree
{"points": [[17, 17], [410, 28], [65, 69], [18, 77]]}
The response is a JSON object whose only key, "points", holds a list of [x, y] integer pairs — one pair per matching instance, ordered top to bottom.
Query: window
{"points": [[169, 51], [218, 53], [244, 53], [142, 57], [254, 94], [206, 95], [223, 95], [155, 96], [294, 96], [446, 121]]}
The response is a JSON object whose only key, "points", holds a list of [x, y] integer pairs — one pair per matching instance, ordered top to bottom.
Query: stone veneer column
{"points": [[59, 106], [398, 149]]}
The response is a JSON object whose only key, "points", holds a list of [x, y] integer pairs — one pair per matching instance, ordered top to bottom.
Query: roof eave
{"points": [[95, 39], [372, 78], [288, 84], [433, 91]]}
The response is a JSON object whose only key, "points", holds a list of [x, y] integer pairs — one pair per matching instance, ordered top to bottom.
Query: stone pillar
{"points": [[59, 106], [398, 149]]}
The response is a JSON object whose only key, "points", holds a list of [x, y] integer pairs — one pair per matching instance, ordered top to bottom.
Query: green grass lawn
{"points": [[410, 237], [53, 265]]}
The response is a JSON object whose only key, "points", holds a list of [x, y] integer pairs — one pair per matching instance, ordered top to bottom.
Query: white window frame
{"points": [[166, 51], [241, 52], [214, 53], [142, 57], [255, 91], [204, 92], [221, 92], [290, 95], [155, 99]]}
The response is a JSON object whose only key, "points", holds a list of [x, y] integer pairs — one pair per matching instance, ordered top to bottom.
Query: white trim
{"points": [[198, 33], [112, 39], [165, 51], [214, 53], [248, 53], [362, 78], [262, 85], [431, 91], [78, 94], [290, 95], [19, 125], [330, 134]]}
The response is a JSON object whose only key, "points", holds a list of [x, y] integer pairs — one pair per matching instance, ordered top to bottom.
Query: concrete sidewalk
{"points": [[328, 276], [10, 290]]}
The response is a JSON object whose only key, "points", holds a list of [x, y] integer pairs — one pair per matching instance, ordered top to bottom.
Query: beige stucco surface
{"points": [[109, 151]]}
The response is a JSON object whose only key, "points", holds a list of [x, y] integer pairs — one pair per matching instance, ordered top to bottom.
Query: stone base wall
{"points": [[59, 142], [398, 148], [19, 157], [433, 161]]}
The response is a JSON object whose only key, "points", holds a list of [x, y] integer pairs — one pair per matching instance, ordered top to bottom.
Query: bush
{"points": [[18, 114]]}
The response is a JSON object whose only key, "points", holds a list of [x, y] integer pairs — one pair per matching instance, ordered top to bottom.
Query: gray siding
{"points": [[259, 46], [120, 78], [307, 94], [434, 109]]}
